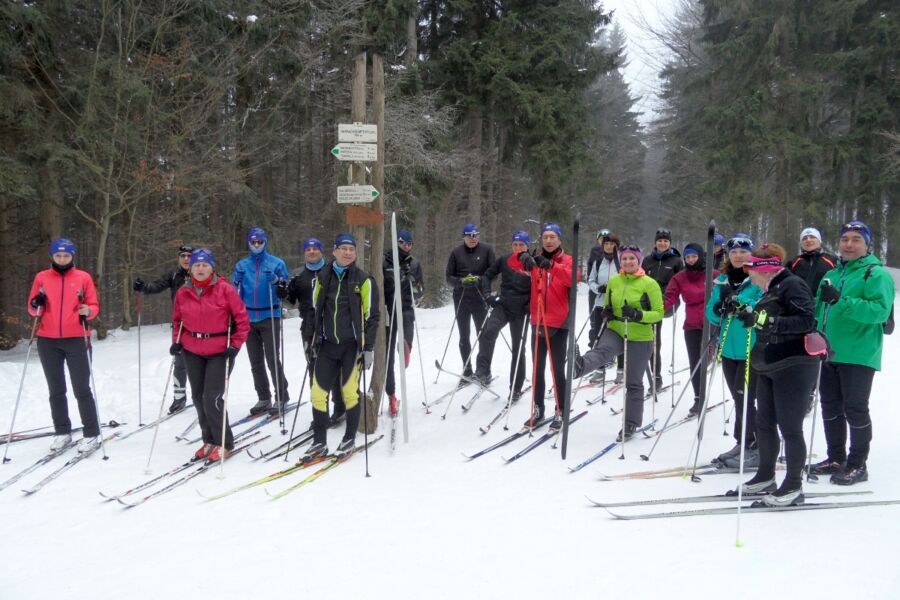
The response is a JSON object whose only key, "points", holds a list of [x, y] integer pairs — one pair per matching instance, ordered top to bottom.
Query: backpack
{"points": [[887, 326]]}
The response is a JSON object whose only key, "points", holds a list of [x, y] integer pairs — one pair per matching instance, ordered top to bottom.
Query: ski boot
{"points": [[60, 441]]}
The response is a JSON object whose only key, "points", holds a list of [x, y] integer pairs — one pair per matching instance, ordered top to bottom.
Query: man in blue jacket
{"points": [[260, 280]]}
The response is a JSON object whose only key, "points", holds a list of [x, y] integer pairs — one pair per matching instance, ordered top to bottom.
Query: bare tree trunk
{"points": [[475, 126], [357, 170], [378, 366]]}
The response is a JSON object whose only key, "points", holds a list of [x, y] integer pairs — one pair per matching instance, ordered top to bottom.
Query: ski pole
{"points": [[139, 307], [584, 325], [450, 335], [505, 341], [419, 344], [87, 350], [535, 350], [653, 354], [518, 358], [275, 359], [467, 363], [672, 363], [306, 370], [365, 394], [625, 395], [162, 402], [225, 403], [671, 414], [726, 417], [12, 423], [810, 476], [737, 537]]}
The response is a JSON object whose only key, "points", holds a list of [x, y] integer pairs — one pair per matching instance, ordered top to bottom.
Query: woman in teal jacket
{"points": [[732, 289], [633, 303]]}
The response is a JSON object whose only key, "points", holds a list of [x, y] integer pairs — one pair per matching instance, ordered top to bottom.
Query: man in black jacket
{"points": [[595, 257], [813, 262], [661, 265], [465, 268], [172, 280], [410, 281], [299, 291], [511, 307], [346, 319]]}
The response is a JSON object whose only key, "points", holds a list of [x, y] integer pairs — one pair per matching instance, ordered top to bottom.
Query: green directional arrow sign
{"points": [[356, 152], [356, 194]]}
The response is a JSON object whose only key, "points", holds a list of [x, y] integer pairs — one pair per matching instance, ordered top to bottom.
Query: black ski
{"points": [[570, 359], [511, 438], [540, 440], [727, 497], [730, 510]]}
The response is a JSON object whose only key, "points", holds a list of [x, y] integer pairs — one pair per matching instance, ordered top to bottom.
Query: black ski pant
{"points": [[469, 306], [496, 322], [409, 332], [559, 339], [693, 341], [611, 344], [261, 348], [656, 352], [55, 355], [336, 364], [733, 371], [179, 372], [207, 377], [845, 390], [337, 395], [781, 401]]}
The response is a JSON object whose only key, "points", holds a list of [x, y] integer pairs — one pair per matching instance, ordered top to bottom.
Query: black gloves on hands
{"points": [[527, 260], [543, 262], [138, 284], [281, 289], [829, 294], [39, 300], [631, 313], [607, 314], [175, 349], [231, 352]]}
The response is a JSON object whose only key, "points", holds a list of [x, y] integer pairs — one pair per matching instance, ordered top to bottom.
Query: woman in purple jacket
{"points": [[690, 284]]}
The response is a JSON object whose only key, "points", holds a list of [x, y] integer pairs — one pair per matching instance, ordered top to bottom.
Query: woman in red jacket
{"points": [[551, 278], [690, 284], [64, 299], [209, 325]]}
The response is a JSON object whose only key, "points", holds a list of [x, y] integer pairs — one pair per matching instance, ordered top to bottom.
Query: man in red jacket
{"points": [[551, 279], [64, 300]]}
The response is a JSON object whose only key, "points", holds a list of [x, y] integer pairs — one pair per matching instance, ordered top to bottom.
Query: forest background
{"points": [[133, 126]]}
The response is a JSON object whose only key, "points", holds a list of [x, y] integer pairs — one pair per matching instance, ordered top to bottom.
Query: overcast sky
{"points": [[644, 54]]}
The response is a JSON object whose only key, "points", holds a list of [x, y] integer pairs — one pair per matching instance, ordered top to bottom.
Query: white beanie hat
{"points": [[811, 231]]}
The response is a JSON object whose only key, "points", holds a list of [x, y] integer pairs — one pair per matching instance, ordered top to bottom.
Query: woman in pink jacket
{"points": [[690, 285], [64, 299], [209, 325]]}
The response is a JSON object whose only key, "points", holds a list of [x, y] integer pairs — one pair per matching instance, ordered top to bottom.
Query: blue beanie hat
{"points": [[551, 226], [860, 228], [471, 229], [405, 235], [521, 236], [344, 238], [719, 240], [741, 241], [311, 242], [62, 245], [692, 249], [203, 255]]}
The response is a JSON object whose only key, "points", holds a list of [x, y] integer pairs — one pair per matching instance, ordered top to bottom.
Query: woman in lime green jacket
{"points": [[633, 303]]}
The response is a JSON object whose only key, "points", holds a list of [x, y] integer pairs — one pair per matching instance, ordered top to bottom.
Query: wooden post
{"points": [[358, 170]]}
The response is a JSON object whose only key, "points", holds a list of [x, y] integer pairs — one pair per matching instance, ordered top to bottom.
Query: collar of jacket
{"points": [[660, 255], [316, 265], [639, 273]]}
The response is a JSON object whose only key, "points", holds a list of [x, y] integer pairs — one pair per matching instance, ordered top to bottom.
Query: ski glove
{"points": [[527, 260], [543, 262], [470, 280], [138, 284], [281, 289], [601, 289], [829, 294], [39, 300], [492, 301], [607, 314], [632, 314], [758, 320], [175, 349], [231, 352], [368, 357]]}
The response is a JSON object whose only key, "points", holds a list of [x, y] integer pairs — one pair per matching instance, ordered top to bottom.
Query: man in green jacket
{"points": [[853, 302]]}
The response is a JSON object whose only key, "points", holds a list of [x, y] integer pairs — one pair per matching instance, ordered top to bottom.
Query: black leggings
{"points": [[469, 306], [496, 322], [693, 341], [558, 342], [56, 354], [733, 371], [207, 377], [781, 398]]}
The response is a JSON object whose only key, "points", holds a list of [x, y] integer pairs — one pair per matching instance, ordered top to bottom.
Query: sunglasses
{"points": [[854, 227], [664, 232], [603, 233], [472, 235], [257, 242], [404, 243], [739, 243], [628, 248], [184, 255]]}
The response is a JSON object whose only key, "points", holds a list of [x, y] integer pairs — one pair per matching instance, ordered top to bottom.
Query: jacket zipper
{"points": [[62, 293], [334, 317]]}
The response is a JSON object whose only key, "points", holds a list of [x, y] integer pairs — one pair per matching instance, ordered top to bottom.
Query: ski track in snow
{"points": [[427, 524]]}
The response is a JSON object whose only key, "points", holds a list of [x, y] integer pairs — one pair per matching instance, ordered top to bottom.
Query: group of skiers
{"points": [[785, 330]]}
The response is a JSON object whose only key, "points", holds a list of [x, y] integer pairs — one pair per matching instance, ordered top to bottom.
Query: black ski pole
{"points": [[573, 306], [139, 307], [450, 335], [87, 351], [306, 371], [12, 423]]}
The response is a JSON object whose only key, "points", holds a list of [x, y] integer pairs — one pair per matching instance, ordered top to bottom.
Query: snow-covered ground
{"points": [[427, 523]]}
